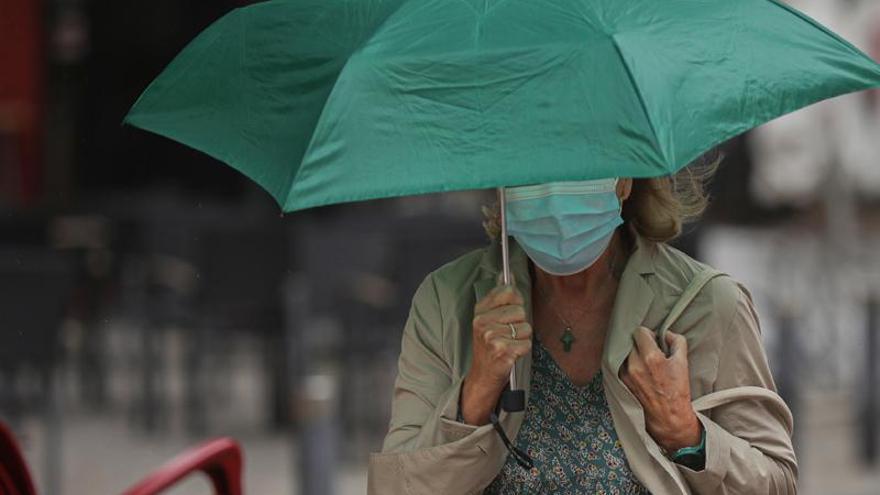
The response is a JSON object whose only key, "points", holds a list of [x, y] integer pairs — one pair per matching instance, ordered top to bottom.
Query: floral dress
{"points": [[569, 433]]}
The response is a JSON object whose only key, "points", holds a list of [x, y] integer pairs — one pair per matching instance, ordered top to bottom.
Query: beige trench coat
{"points": [[748, 426]]}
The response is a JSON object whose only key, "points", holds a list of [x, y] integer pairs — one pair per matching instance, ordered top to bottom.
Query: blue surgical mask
{"points": [[564, 226]]}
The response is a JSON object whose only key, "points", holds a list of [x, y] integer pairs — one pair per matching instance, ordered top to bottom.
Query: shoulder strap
{"points": [[690, 292]]}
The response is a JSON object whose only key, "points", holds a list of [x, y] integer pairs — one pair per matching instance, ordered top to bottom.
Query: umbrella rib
{"points": [[493, 7], [831, 34], [638, 91], [291, 182]]}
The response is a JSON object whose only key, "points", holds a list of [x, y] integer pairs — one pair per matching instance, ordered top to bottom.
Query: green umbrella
{"points": [[328, 101]]}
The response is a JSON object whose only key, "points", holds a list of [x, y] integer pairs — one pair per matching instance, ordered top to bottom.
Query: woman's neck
{"points": [[592, 282]]}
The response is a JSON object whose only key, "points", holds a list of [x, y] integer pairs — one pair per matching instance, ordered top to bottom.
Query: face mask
{"points": [[564, 226]]}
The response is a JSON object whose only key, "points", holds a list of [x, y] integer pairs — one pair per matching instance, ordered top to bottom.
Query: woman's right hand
{"points": [[494, 350]]}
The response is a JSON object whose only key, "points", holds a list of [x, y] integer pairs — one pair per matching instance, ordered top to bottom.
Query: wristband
{"points": [[693, 457]]}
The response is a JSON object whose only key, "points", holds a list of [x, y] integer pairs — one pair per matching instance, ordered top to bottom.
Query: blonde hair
{"points": [[657, 207]]}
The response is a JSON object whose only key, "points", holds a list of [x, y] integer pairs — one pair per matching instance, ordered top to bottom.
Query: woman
{"points": [[607, 410]]}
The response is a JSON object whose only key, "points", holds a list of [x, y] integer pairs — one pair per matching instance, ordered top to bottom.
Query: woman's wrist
{"points": [[477, 400], [685, 434], [692, 456]]}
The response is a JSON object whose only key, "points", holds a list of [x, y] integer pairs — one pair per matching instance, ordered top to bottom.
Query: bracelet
{"points": [[695, 449], [693, 457]]}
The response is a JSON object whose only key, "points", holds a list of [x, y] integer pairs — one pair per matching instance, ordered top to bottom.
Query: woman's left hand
{"points": [[662, 386]]}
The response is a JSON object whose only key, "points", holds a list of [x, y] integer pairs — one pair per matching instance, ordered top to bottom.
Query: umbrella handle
{"points": [[512, 399]]}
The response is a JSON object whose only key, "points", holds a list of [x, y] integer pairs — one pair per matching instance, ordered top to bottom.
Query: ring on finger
{"points": [[512, 330]]}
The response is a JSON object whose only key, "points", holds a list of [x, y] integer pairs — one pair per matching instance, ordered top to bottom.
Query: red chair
{"points": [[219, 459], [15, 477]]}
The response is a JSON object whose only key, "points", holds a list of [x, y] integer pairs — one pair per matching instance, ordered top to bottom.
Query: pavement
{"points": [[102, 454]]}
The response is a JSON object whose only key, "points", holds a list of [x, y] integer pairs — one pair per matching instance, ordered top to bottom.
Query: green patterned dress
{"points": [[569, 433]]}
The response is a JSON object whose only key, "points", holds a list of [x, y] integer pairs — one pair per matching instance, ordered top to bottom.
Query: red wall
{"points": [[21, 97]]}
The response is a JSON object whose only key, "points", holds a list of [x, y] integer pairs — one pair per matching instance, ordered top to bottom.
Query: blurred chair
{"points": [[24, 228], [86, 239], [82, 240], [156, 247], [358, 267], [210, 269], [240, 270], [36, 286], [378, 304], [219, 459], [15, 477]]}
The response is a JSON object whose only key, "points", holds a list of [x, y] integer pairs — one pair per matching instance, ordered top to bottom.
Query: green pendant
{"points": [[567, 339]]}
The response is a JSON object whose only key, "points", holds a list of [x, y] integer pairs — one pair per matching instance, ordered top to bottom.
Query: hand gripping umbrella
{"points": [[329, 101]]}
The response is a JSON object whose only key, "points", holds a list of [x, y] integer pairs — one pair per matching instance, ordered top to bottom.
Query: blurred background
{"points": [[151, 297]]}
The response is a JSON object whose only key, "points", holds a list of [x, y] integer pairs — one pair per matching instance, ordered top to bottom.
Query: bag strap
{"points": [[690, 292], [726, 396]]}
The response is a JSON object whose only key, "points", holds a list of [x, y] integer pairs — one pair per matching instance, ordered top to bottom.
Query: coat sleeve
{"points": [[425, 397], [748, 442], [425, 451]]}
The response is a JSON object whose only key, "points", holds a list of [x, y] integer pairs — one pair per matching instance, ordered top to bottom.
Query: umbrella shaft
{"points": [[505, 251], [505, 257]]}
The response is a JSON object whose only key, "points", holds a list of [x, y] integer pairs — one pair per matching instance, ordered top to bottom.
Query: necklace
{"points": [[567, 338]]}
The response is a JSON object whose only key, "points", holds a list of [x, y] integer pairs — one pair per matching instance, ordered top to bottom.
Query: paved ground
{"points": [[101, 455], [827, 457]]}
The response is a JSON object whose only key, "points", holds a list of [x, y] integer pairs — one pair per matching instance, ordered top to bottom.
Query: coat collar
{"points": [[633, 299]]}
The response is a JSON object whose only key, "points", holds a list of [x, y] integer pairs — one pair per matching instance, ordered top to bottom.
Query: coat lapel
{"points": [[631, 304]]}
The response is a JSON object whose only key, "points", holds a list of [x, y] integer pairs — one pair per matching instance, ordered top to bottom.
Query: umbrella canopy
{"points": [[328, 101]]}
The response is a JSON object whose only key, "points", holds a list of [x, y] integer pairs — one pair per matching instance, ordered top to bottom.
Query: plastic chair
{"points": [[219, 459], [15, 477]]}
